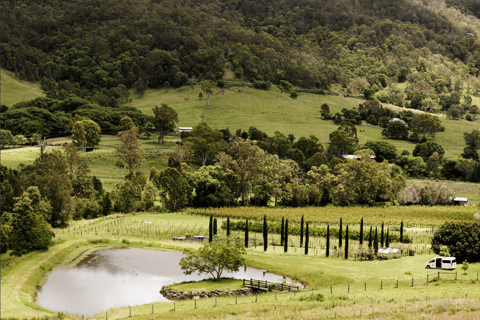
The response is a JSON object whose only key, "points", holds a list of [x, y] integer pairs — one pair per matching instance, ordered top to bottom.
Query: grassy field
{"points": [[14, 90], [270, 111], [341, 282], [208, 285]]}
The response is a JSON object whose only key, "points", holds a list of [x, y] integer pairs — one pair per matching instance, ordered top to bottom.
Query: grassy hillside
{"points": [[14, 90], [270, 111]]}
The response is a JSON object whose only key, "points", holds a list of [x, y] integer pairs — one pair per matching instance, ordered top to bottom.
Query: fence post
{"points": [[439, 275], [456, 275], [427, 278], [412, 282], [397, 283], [381, 284], [365, 286], [348, 288], [331, 290], [275, 293], [236, 297], [256, 297], [215, 301], [195, 303], [174, 308], [131, 309], [106, 315]]}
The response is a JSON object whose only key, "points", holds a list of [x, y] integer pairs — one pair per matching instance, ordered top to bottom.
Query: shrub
{"points": [[313, 297]]}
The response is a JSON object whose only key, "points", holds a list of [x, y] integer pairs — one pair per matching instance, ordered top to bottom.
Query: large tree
{"points": [[164, 120], [426, 124], [86, 133], [472, 140], [202, 145], [130, 151], [174, 187], [29, 230], [461, 238], [216, 257]]}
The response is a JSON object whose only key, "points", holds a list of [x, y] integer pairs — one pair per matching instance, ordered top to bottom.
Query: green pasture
{"points": [[14, 90], [333, 277], [208, 285]]}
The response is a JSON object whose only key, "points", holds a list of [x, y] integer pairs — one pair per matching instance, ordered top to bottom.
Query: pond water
{"points": [[117, 278]]}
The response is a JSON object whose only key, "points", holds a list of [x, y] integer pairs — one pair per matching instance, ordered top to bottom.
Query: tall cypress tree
{"points": [[214, 226], [228, 226], [210, 229], [282, 231], [361, 231], [301, 232], [401, 232], [246, 233], [265, 233], [340, 234], [307, 236], [285, 238], [370, 238], [382, 238], [387, 240], [375, 241], [346, 243], [327, 247]]}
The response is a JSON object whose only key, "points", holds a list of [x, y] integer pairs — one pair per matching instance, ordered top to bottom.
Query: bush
{"points": [[294, 95], [461, 238], [96, 241], [313, 297]]}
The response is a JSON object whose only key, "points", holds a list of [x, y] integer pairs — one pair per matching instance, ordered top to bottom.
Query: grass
{"points": [[15, 90], [462, 189], [21, 276], [208, 285]]}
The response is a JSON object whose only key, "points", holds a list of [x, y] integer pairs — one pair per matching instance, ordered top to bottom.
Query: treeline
{"points": [[97, 50], [50, 117], [295, 229]]}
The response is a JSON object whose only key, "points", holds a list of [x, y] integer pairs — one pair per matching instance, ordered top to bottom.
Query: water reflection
{"points": [[116, 278]]}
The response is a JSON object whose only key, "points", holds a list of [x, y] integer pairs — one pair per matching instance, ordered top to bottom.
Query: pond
{"points": [[117, 278]]}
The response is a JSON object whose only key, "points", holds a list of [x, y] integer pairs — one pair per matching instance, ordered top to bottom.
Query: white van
{"points": [[449, 263]]}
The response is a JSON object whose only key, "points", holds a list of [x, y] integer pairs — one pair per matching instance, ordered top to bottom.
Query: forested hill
{"points": [[94, 48]]}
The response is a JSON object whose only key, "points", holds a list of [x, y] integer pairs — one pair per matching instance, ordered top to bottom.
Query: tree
{"points": [[140, 87], [206, 87], [455, 112], [164, 120], [126, 123], [426, 124], [396, 130], [86, 133], [6, 138], [472, 140], [340, 143], [202, 145], [426, 149], [383, 150], [130, 151], [245, 161], [50, 174], [174, 188], [228, 226], [210, 229], [29, 230], [282, 232], [301, 232], [401, 232], [246, 233], [265, 233], [340, 234], [307, 235], [461, 238], [382, 239], [387, 239], [285, 240], [375, 240], [346, 243], [327, 246], [222, 254]]}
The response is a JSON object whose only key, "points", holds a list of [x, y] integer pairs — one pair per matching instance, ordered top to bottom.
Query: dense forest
{"points": [[97, 49]]}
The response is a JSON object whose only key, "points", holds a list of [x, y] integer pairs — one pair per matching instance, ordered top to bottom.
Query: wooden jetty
{"points": [[265, 285]]}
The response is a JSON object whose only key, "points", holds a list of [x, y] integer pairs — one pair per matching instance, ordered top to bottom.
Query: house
{"points": [[183, 129], [354, 156], [457, 201]]}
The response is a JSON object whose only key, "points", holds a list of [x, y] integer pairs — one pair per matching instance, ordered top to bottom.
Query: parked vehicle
{"points": [[449, 263]]}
